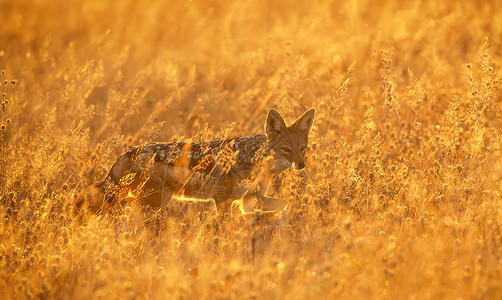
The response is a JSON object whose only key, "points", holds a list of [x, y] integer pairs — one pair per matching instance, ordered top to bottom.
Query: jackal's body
{"points": [[222, 170]]}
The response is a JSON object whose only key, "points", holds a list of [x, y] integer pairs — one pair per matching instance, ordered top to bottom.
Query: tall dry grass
{"points": [[401, 197]]}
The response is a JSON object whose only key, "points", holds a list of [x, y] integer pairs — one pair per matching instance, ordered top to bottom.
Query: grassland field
{"points": [[402, 194]]}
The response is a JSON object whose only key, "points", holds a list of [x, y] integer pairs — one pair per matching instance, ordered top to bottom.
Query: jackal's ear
{"points": [[275, 123], [304, 123]]}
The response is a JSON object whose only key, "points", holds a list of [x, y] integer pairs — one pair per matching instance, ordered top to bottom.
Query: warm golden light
{"points": [[400, 197]]}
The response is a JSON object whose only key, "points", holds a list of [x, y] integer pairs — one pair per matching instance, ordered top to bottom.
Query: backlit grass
{"points": [[401, 196]]}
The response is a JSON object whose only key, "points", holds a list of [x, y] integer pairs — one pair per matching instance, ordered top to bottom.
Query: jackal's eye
{"points": [[303, 148], [285, 149]]}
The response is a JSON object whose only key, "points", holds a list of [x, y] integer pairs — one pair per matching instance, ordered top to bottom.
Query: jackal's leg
{"points": [[165, 197], [158, 199], [250, 203], [264, 203], [273, 204], [279, 205], [223, 206]]}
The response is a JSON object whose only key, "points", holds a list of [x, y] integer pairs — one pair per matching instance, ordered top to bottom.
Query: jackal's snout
{"points": [[299, 165]]}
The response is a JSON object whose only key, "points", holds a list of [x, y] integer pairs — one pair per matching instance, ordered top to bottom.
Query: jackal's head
{"points": [[288, 142]]}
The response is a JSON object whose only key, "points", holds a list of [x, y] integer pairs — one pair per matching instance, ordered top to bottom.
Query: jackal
{"points": [[222, 170]]}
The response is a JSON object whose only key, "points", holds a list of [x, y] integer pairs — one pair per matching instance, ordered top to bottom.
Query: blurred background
{"points": [[121, 66], [401, 194]]}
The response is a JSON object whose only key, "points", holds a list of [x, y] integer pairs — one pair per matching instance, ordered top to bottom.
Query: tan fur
{"points": [[222, 170]]}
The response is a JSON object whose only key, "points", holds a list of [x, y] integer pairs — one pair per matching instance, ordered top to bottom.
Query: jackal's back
{"points": [[197, 169]]}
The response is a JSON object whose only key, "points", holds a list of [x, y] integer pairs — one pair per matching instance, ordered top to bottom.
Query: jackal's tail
{"points": [[98, 196], [93, 198]]}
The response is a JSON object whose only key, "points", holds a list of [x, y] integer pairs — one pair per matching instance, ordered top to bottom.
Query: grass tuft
{"points": [[401, 194]]}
